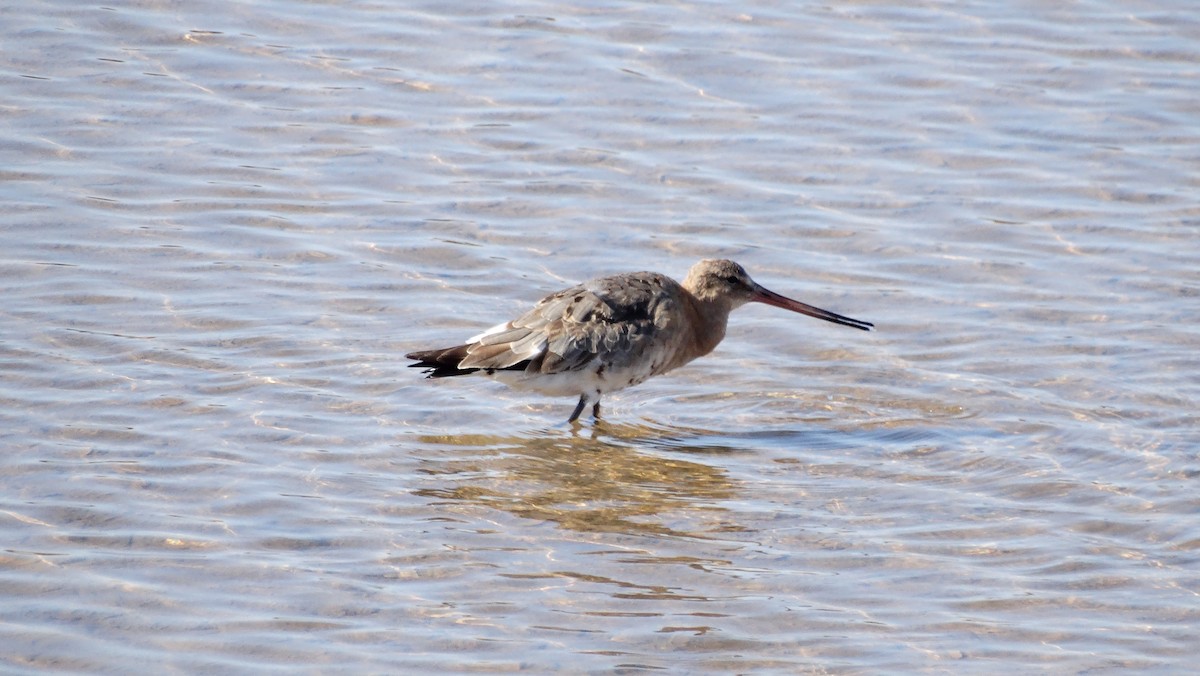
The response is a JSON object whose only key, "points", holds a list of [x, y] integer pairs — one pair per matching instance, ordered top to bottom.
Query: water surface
{"points": [[224, 226]]}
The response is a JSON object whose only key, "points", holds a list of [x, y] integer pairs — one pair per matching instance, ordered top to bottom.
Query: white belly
{"points": [[592, 380]]}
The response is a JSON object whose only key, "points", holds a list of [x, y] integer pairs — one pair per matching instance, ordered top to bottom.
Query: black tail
{"points": [[441, 363]]}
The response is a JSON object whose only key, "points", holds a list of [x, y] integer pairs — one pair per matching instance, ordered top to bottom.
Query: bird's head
{"points": [[725, 286]]}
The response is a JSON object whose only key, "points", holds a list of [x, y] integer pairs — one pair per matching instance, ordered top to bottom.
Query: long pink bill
{"points": [[769, 297]]}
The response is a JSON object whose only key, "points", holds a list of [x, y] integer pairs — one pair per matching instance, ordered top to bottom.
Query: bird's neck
{"points": [[709, 319]]}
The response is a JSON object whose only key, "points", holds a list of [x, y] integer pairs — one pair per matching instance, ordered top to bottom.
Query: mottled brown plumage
{"points": [[613, 332]]}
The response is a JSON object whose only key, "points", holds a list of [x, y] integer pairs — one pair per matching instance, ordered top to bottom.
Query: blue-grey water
{"points": [[224, 224]]}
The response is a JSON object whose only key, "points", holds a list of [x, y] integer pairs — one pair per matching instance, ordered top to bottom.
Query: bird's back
{"points": [[610, 318], [599, 336]]}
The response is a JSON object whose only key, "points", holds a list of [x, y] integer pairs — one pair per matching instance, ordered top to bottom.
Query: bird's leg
{"points": [[583, 400], [596, 409]]}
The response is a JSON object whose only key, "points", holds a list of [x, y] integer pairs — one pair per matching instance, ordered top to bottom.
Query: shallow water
{"points": [[225, 225]]}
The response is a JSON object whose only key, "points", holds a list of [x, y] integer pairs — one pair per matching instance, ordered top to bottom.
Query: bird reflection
{"points": [[599, 483]]}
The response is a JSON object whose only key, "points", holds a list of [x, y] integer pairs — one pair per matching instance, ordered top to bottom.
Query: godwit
{"points": [[613, 332]]}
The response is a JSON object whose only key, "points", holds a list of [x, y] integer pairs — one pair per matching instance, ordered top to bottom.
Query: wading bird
{"points": [[612, 332]]}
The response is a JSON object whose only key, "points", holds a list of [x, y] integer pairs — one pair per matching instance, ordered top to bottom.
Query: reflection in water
{"points": [[595, 481]]}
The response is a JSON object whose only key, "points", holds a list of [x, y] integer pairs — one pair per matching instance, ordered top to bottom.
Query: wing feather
{"points": [[612, 317]]}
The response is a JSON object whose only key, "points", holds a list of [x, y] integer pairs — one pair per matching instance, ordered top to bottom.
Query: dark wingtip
{"points": [[440, 363]]}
